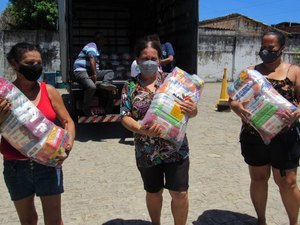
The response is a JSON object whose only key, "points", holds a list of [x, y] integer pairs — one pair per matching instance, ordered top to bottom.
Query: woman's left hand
{"points": [[189, 108], [69, 144], [68, 149]]}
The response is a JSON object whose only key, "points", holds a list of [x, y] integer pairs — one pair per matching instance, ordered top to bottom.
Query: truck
{"points": [[122, 22]]}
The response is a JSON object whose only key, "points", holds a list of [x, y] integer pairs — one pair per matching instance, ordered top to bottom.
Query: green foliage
{"points": [[34, 14]]}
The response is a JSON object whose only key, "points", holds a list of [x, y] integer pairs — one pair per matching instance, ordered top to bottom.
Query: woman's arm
{"points": [[296, 73], [62, 113], [153, 131]]}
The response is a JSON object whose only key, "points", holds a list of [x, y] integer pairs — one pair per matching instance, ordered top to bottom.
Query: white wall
{"points": [[48, 41], [218, 49], [246, 53]]}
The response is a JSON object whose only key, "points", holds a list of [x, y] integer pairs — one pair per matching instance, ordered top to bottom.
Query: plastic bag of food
{"points": [[266, 105], [164, 110], [29, 131]]}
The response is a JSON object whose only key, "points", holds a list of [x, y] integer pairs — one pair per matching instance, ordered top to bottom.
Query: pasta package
{"points": [[266, 105], [165, 110], [29, 131]]}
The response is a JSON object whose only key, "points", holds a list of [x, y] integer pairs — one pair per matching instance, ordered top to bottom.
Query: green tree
{"points": [[34, 14], [6, 20]]}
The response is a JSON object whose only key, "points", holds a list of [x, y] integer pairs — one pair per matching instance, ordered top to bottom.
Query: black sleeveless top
{"points": [[286, 88]]}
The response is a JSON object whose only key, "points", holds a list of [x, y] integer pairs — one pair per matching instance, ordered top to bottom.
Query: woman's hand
{"points": [[189, 108], [4, 109], [240, 109], [290, 117], [153, 130], [69, 144], [68, 149]]}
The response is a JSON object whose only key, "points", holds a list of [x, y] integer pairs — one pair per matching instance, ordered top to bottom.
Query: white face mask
{"points": [[148, 67]]}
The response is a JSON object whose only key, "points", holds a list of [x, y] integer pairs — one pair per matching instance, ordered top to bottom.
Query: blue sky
{"points": [[3, 4], [266, 11]]}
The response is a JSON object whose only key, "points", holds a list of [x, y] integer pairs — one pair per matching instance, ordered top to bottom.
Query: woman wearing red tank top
{"points": [[281, 156], [23, 177]]}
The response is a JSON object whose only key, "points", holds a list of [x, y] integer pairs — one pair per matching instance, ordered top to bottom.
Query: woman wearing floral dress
{"points": [[156, 158]]}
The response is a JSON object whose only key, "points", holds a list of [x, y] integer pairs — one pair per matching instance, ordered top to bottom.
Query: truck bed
{"points": [[109, 102]]}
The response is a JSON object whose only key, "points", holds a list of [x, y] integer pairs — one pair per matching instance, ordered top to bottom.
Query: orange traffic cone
{"points": [[223, 103]]}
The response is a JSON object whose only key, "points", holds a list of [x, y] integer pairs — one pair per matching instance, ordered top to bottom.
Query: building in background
{"points": [[293, 29], [232, 42]]}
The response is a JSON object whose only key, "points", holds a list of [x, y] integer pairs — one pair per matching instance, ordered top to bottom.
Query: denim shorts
{"points": [[175, 175], [24, 178]]}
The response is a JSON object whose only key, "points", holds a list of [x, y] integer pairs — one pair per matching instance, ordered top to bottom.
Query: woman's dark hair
{"points": [[280, 36], [152, 37], [143, 43], [19, 49]]}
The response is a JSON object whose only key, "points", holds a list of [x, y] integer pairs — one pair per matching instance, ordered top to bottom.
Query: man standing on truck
{"points": [[167, 62], [87, 73]]}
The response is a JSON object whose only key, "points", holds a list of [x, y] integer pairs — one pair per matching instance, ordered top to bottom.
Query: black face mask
{"points": [[268, 56], [31, 72]]}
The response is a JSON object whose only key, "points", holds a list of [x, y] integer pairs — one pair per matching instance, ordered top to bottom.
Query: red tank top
{"points": [[45, 106]]}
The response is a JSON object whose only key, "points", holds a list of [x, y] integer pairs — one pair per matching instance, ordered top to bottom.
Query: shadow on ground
{"points": [[98, 131], [101, 131], [224, 217], [127, 222]]}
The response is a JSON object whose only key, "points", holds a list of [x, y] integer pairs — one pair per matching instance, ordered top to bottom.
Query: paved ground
{"points": [[103, 186]]}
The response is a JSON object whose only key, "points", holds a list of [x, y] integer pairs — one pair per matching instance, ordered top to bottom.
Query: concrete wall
{"points": [[48, 41], [219, 49], [215, 52]]}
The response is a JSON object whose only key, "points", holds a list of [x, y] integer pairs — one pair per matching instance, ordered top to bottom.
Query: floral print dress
{"points": [[149, 151]]}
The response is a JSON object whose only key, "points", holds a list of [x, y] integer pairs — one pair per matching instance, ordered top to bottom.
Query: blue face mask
{"points": [[148, 67]]}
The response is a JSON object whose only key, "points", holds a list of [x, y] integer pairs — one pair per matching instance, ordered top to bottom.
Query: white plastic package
{"points": [[265, 103], [164, 110], [29, 131]]}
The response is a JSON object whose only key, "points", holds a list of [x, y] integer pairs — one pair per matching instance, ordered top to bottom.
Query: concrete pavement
{"points": [[103, 186]]}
